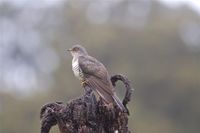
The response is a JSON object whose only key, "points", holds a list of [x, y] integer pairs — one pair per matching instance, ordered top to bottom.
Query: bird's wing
{"points": [[91, 66], [96, 74], [99, 79]]}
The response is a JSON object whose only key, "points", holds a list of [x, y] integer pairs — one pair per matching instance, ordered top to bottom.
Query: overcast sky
{"points": [[195, 4]]}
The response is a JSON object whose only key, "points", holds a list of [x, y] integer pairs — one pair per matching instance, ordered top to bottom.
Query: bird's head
{"points": [[77, 50]]}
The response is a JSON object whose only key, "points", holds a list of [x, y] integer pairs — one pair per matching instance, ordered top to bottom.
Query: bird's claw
{"points": [[83, 82]]}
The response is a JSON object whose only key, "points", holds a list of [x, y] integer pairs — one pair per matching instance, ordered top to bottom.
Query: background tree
{"points": [[155, 46]]}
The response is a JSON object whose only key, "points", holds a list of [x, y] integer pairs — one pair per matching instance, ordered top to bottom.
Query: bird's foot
{"points": [[83, 83]]}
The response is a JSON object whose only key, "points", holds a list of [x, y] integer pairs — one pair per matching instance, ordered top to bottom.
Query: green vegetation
{"points": [[164, 70]]}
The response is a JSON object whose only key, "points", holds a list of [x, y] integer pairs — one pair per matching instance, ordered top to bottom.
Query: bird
{"points": [[93, 73]]}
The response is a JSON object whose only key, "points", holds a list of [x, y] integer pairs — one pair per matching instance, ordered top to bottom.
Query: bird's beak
{"points": [[69, 50]]}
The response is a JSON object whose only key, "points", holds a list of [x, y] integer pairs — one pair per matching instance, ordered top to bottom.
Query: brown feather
{"points": [[92, 67], [97, 77], [101, 89]]}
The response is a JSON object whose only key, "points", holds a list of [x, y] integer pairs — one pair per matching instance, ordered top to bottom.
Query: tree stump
{"points": [[86, 114]]}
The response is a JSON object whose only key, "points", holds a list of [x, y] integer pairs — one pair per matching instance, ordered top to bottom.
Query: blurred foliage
{"points": [[163, 69]]}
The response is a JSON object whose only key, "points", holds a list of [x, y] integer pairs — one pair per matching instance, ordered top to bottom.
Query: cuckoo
{"points": [[93, 73]]}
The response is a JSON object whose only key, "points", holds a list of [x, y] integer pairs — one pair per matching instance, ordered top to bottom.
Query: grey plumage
{"points": [[92, 72]]}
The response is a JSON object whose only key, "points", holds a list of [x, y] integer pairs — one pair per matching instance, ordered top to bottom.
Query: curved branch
{"points": [[126, 82]]}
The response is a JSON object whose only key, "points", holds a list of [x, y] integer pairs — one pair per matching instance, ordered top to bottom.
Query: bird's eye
{"points": [[76, 49]]}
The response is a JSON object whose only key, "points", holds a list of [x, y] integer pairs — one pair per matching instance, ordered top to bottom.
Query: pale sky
{"points": [[195, 4]]}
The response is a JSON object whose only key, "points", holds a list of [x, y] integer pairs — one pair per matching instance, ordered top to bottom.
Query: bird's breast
{"points": [[76, 69]]}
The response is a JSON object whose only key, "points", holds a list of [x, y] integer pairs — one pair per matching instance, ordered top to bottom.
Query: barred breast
{"points": [[76, 69]]}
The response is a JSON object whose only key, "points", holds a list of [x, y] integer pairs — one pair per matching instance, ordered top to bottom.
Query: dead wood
{"points": [[86, 114]]}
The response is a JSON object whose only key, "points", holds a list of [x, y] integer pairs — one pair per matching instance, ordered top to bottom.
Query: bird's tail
{"points": [[105, 91], [119, 103]]}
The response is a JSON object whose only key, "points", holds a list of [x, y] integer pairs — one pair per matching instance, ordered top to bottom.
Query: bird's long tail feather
{"points": [[105, 91], [119, 103]]}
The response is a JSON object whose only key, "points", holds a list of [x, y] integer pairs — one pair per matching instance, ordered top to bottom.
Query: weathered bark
{"points": [[87, 115]]}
